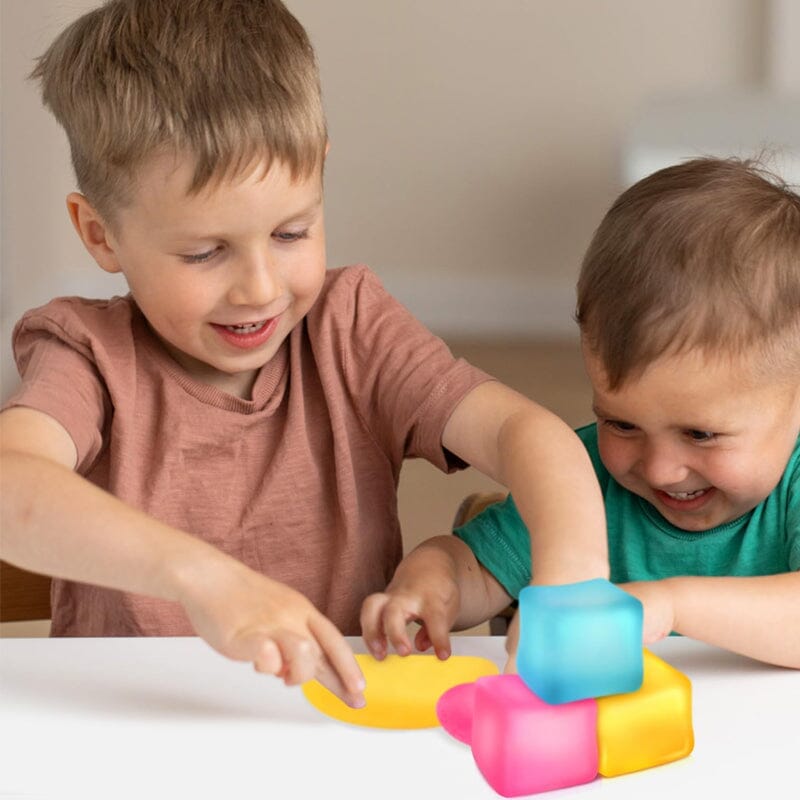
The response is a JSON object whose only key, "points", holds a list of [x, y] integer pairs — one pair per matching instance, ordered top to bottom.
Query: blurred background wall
{"points": [[475, 143]]}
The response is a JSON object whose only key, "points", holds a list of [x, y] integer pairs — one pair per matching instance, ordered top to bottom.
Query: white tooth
{"points": [[255, 326], [686, 495]]}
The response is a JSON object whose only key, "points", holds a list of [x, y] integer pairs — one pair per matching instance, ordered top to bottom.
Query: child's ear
{"points": [[94, 232]]}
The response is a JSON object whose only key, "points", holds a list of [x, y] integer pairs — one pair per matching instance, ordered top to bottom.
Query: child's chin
{"points": [[692, 523]]}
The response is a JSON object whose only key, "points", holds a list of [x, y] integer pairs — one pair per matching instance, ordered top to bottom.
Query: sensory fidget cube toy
{"points": [[579, 640], [648, 727], [523, 744]]}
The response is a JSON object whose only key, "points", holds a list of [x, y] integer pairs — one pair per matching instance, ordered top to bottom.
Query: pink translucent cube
{"points": [[523, 745]]}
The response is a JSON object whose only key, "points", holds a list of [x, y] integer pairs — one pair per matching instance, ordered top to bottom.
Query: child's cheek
{"points": [[617, 456]]}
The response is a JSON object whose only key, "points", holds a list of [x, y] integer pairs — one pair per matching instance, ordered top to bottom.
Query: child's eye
{"points": [[290, 236], [199, 258], [619, 425], [700, 436]]}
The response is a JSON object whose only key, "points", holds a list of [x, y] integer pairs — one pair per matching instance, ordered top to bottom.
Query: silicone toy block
{"points": [[579, 640], [401, 691], [455, 709], [648, 727], [523, 745]]}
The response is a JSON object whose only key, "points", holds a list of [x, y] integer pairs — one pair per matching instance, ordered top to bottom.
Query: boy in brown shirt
{"points": [[218, 452]]}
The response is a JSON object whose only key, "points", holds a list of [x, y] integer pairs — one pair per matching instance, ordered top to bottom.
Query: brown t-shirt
{"points": [[299, 483]]}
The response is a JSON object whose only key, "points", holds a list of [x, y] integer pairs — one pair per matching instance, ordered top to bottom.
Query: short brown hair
{"points": [[230, 82], [704, 254]]}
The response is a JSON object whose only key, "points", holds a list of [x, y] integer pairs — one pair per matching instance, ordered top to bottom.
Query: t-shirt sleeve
{"points": [[59, 378], [404, 380], [793, 520], [500, 541]]}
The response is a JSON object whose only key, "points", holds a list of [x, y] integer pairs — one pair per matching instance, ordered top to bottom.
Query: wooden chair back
{"points": [[23, 595]]}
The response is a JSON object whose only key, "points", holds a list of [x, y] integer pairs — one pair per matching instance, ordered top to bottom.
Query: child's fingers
{"points": [[395, 619], [372, 624], [438, 633], [422, 641], [259, 648], [301, 657], [267, 658], [305, 661], [338, 668], [330, 679]]}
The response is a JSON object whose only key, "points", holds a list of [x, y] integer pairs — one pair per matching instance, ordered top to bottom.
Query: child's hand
{"points": [[430, 598], [658, 605], [249, 617]]}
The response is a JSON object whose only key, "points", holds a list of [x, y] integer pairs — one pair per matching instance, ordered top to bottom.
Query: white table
{"points": [[169, 718]]}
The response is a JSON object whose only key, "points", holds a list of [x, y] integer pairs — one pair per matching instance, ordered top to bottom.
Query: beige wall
{"points": [[475, 143]]}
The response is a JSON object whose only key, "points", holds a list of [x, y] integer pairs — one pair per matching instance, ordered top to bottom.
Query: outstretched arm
{"points": [[543, 463], [57, 523], [756, 616]]}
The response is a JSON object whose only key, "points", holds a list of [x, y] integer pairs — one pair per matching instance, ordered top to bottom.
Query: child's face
{"points": [[222, 276], [703, 442]]}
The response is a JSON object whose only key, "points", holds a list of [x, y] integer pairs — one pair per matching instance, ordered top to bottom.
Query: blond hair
{"points": [[229, 82], [704, 254]]}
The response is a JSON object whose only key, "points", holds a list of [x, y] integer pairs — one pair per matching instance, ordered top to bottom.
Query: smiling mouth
{"points": [[247, 327], [248, 335], [687, 495], [685, 501]]}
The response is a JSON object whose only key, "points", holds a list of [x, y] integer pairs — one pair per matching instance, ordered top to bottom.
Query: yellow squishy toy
{"points": [[401, 691]]}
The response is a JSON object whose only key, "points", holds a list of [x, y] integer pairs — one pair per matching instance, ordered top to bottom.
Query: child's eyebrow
{"points": [[309, 210], [188, 234], [687, 426]]}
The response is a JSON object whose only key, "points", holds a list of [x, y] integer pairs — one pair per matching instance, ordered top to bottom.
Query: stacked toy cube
{"points": [[587, 700]]}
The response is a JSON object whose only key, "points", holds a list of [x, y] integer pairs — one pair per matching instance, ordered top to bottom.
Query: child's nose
{"points": [[255, 284], [663, 468]]}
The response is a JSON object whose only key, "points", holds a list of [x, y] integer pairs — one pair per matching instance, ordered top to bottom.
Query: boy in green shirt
{"points": [[689, 310]]}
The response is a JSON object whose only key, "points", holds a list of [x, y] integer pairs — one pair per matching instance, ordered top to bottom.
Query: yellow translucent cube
{"points": [[648, 727]]}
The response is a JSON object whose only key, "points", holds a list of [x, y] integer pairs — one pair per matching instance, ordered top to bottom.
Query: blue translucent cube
{"points": [[579, 640]]}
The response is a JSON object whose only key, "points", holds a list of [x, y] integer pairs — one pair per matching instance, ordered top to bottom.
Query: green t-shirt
{"points": [[642, 545]]}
